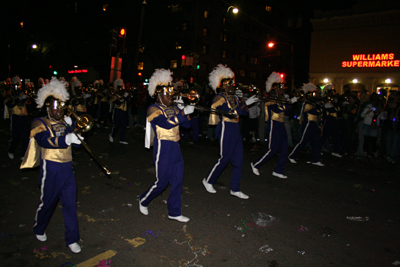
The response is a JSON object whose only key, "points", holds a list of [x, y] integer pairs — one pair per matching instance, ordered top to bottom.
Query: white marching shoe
{"points": [[110, 138], [336, 155], [292, 161], [319, 163], [255, 170], [279, 175], [209, 187], [239, 194], [144, 210], [180, 218], [41, 238], [74, 247]]}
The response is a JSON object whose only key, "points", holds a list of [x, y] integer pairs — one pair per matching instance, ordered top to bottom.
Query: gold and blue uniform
{"points": [[309, 121], [277, 135], [230, 139], [47, 148], [167, 156]]}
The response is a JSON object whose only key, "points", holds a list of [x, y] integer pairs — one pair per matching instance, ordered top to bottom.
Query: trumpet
{"points": [[193, 97], [83, 124]]}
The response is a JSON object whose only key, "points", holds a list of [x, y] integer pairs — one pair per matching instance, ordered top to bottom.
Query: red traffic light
{"points": [[122, 32], [183, 57], [140, 74], [282, 76]]}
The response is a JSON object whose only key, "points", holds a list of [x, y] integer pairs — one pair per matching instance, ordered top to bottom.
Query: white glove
{"points": [[239, 93], [126, 94], [251, 100], [293, 100], [179, 103], [189, 109], [68, 120], [71, 138]]}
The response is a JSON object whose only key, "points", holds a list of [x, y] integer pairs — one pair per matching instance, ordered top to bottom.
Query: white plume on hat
{"points": [[220, 72], [159, 77], [273, 78], [118, 82], [76, 83], [308, 87], [55, 88], [326, 88]]}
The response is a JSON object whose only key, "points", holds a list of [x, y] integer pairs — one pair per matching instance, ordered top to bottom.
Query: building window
{"points": [[268, 8], [205, 14], [205, 32], [178, 46], [206, 49], [225, 53], [254, 60], [174, 64], [140, 66], [242, 73], [254, 75]]}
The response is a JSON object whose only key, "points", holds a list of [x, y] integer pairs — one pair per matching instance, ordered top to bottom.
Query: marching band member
{"points": [[104, 96], [15, 104], [120, 113], [163, 121], [309, 121], [329, 123], [227, 131], [277, 135], [50, 147]]}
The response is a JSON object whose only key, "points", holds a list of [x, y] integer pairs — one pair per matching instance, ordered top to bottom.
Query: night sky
{"points": [[72, 33]]}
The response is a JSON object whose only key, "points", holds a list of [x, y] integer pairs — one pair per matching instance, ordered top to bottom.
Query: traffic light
{"points": [[114, 39], [121, 40], [183, 57], [198, 67], [55, 72], [139, 74], [282, 76]]}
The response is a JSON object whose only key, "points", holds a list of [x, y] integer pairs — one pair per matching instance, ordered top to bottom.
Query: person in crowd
{"points": [[15, 104], [275, 108], [120, 113], [309, 119], [391, 119], [163, 121], [359, 121], [371, 125], [330, 127], [227, 131], [348, 134], [50, 148]]}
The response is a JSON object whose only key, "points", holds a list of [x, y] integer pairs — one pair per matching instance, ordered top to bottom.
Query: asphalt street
{"points": [[311, 216]]}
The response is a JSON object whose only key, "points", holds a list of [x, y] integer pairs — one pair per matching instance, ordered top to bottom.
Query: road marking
{"points": [[95, 260]]}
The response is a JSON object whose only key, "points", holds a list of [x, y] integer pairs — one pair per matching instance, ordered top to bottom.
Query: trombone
{"points": [[193, 97], [83, 124]]}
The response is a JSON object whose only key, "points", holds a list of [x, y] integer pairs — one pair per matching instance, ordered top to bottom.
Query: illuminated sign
{"points": [[372, 61], [78, 71]]}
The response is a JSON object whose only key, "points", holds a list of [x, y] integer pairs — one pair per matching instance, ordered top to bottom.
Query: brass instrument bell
{"points": [[83, 123]]}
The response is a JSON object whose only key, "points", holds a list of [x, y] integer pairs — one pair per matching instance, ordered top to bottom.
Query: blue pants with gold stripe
{"points": [[310, 134], [277, 142], [231, 150], [168, 162], [57, 183]]}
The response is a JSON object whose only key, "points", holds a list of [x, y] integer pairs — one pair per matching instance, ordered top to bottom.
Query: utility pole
{"points": [[137, 50]]}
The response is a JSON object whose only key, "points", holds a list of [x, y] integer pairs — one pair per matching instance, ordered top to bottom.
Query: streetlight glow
{"points": [[235, 10], [271, 44], [34, 46], [326, 80], [355, 81], [388, 81]]}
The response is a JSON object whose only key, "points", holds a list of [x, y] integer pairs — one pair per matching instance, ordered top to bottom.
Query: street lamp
{"points": [[235, 10], [272, 44], [34, 46]]}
